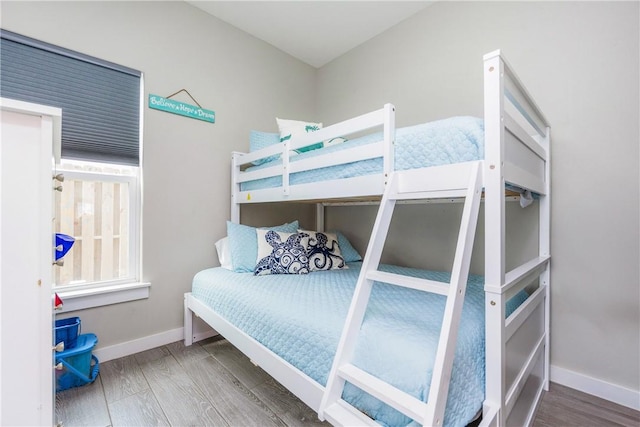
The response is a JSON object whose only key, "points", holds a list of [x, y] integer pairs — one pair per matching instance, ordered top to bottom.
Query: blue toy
{"points": [[63, 244]]}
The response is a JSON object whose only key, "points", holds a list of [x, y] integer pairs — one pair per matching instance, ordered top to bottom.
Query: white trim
{"points": [[8, 104], [22, 107], [133, 179], [79, 299], [127, 348], [596, 387]]}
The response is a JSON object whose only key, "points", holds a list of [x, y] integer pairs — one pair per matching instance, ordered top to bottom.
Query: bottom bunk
{"points": [[291, 324]]}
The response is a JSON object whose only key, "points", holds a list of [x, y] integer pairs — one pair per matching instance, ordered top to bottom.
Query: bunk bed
{"points": [[340, 366]]}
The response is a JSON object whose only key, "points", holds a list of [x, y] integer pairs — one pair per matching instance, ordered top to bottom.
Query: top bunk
{"points": [[512, 138]]}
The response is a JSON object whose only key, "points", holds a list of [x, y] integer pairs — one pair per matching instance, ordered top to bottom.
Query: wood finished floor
{"points": [[212, 384]]}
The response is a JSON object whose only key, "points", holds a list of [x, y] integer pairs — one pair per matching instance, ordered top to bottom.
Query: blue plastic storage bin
{"points": [[67, 330], [79, 366]]}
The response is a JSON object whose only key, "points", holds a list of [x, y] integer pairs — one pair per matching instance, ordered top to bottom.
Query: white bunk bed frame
{"points": [[517, 152]]}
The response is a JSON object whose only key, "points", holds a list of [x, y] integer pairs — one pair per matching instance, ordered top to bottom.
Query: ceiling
{"points": [[316, 32]]}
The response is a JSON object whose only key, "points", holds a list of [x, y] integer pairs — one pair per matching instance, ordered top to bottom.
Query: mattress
{"points": [[452, 140], [300, 318]]}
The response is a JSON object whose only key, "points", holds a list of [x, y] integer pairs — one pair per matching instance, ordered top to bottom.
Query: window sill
{"points": [[81, 299]]}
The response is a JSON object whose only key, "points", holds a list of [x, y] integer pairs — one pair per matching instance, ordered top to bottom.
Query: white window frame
{"points": [[94, 294]]}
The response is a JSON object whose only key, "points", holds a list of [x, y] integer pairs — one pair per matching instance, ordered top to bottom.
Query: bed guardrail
{"points": [[383, 118], [523, 127]]}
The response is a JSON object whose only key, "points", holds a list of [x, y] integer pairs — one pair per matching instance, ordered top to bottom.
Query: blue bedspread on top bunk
{"points": [[452, 140], [300, 318]]}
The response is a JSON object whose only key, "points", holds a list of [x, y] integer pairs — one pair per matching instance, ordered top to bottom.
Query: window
{"points": [[99, 155], [98, 207]]}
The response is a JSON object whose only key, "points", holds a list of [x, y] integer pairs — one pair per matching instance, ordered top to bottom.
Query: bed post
{"points": [[389, 134], [235, 189], [320, 216], [494, 239], [544, 249], [188, 321]]}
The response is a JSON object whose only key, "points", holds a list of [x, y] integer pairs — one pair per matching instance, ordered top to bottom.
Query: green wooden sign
{"points": [[176, 107]]}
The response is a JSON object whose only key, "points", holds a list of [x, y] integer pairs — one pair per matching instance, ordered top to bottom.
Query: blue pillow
{"points": [[259, 140], [243, 244], [349, 253]]}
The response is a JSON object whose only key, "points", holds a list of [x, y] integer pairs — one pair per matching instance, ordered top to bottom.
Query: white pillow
{"points": [[289, 128], [323, 251], [224, 253]]}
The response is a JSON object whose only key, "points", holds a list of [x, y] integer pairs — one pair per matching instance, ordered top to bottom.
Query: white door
{"points": [[26, 249]]}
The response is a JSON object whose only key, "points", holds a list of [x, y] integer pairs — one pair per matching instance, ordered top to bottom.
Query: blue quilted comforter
{"points": [[452, 140], [300, 318]]}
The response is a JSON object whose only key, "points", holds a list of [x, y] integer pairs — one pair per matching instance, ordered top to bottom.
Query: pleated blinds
{"points": [[100, 101]]}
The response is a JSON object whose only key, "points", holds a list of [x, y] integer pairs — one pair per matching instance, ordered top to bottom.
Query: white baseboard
{"points": [[146, 343], [135, 346], [611, 392]]}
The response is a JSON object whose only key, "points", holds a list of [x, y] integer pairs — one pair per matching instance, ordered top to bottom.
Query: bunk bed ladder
{"points": [[404, 185]]}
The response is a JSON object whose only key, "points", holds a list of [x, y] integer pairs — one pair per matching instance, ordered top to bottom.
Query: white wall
{"points": [[580, 61], [186, 162]]}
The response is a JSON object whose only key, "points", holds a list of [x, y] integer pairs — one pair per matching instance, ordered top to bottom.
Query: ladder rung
{"points": [[409, 282], [392, 396], [343, 414]]}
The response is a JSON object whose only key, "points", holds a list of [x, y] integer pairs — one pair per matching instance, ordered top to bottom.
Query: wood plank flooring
{"points": [[207, 384], [212, 384], [564, 406]]}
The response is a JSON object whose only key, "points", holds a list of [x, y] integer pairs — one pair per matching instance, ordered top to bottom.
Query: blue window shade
{"points": [[100, 101]]}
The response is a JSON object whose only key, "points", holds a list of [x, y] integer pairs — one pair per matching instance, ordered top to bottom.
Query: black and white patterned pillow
{"points": [[323, 251], [281, 253]]}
